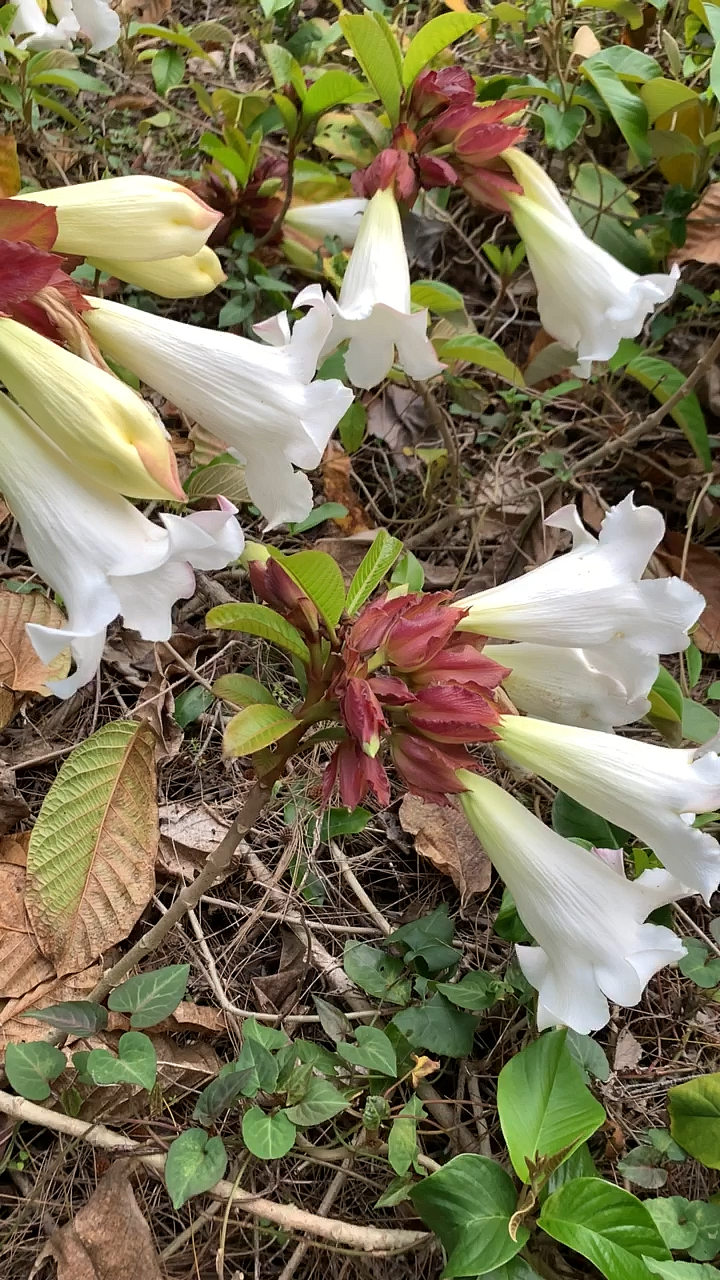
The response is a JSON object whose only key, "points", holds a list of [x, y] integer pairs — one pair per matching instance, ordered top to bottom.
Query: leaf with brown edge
{"points": [[10, 180], [36, 224], [702, 240], [702, 571], [20, 667], [444, 837], [92, 852], [22, 964], [14, 1029], [108, 1239]]}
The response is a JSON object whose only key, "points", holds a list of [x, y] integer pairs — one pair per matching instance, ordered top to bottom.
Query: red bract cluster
{"points": [[447, 140], [27, 234], [409, 679]]}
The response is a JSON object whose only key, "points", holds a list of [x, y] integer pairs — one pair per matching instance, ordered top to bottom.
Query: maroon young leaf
{"points": [[25, 220], [25, 270]]}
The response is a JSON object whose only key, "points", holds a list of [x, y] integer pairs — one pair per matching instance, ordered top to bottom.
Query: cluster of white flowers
{"points": [[581, 635]]}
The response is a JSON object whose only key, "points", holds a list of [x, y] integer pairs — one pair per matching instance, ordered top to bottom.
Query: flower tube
{"points": [[136, 217], [340, 218], [169, 277], [587, 300], [373, 309], [260, 399], [102, 425], [98, 551], [593, 593], [593, 688], [655, 792], [588, 920]]}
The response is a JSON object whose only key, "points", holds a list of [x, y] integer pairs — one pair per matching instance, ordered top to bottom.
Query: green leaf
{"points": [[432, 38], [378, 55], [283, 67], [168, 69], [607, 71], [332, 88], [561, 126], [599, 201], [437, 296], [476, 349], [662, 379], [352, 425], [219, 477], [326, 511], [372, 569], [408, 572], [320, 577], [258, 620], [243, 691], [666, 697], [191, 704], [699, 723], [256, 727], [571, 819], [343, 822], [428, 939], [699, 963], [378, 974], [478, 990], [152, 996], [72, 1015], [438, 1027], [271, 1038], [373, 1050], [589, 1055], [258, 1059], [136, 1062], [29, 1068], [220, 1094], [321, 1102], [544, 1106], [694, 1109], [268, 1137], [402, 1139], [662, 1141], [194, 1164], [578, 1165], [643, 1166], [469, 1204], [670, 1215], [706, 1218], [607, 1225], [516, 1269], [682, 1270]]}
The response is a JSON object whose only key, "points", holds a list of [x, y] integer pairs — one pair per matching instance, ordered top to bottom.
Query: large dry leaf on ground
{"points": [[702, 241], [338, 487], [702, 571], [20, 667], [191, 825], [443, 836], [91, 860], [22, 963], [14, 1029], [109, 1238]]}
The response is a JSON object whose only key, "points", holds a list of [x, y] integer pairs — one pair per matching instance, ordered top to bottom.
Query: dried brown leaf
{"points": [[145, 10], [10, 180], [702, 241], [338, 487], [702, 571], [20, 667], [13, 808], [191, 825], [444, 837], [22, 964], [279, 991], [628, 1051], [109, 1238]]}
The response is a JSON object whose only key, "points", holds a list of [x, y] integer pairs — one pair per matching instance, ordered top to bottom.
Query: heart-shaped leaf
{"points": [[150, 997], [136, 1062], [31, 1066], [194, 1164]]}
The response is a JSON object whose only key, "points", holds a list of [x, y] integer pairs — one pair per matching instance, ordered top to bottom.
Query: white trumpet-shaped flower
{"points": [[91, 18], [95, 18], [135, 218], [339, 218], [170, 277], [587, 300], [373, 309], [260, 399], [98, 551], [593, 593], [593, 688], [654, 792], [588, 920]]}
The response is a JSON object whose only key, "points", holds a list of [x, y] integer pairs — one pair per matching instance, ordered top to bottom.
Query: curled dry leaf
{"points": [[585, 42], [702, 241], [702, 571], [20, 668], [443, 836], [91, 860], [628, 1052], [109, 1238]]}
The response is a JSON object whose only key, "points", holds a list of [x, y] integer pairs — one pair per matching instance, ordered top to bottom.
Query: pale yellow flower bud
{"points": [[170, 277]]}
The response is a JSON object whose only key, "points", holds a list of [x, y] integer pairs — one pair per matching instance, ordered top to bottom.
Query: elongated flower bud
{"points": [[169, 277], [99, 422], [273, 585], [362, 714], [356, 774]]}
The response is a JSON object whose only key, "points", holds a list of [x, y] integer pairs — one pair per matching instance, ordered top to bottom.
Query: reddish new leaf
{"points": [[25, 220], [25, 270]]}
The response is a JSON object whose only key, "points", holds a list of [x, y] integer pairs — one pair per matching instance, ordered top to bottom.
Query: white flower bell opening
{"points": [[339, 218], [587, 300], [373, 309], [260, 399], [98, 551], [593, 594], [654, 792], [588, 920]]}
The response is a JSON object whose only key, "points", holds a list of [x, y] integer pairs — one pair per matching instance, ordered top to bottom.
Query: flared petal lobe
{"points": [[588, 922]]}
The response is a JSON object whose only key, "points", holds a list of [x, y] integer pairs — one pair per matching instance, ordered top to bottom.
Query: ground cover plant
{"points": [[359, 622]]}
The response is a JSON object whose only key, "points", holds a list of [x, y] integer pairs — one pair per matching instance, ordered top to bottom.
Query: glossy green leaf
{"points": [[432, 38], [378, 55], [168, 69], [330, 89], [624, 104], [561, 126], [599, 200], [437, 296], [476, 349], [662, 379], [352, 426], [219, 478], [376, 563], [320, 577], [258, 620], [242, 690], [666, 699], [191, 705], [699, 723], [256, 727], [573, 820], [343, 822], [428, 939], [699, 963], [375, 972], [478, 990], [150, 997], [72, 1016], [438, 1027], [271, 1038], [373, 1051], [589, 1055], [257, 1058], [136, 1062], [30, 1068], [220, 1094], [321, 1102], [543, 1104], [694, 1109], [268, 1137], [402, 1138], [194, 1164], [469, 1204], [669, 1213], [607, 1225], [682, 1270]]}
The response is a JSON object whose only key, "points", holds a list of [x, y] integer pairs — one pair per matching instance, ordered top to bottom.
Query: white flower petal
{"points": [[98, 22], [39, 34], [340, 218], [587, 300], [258, 398], [86, 649], [638, 786], [587, 921]]}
